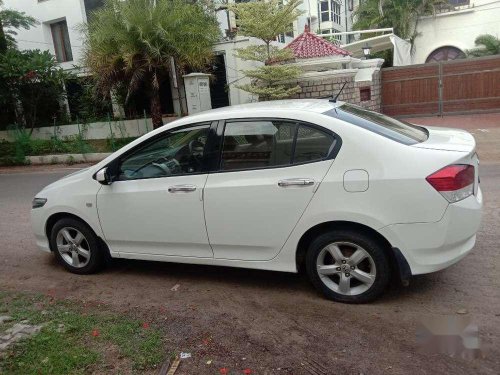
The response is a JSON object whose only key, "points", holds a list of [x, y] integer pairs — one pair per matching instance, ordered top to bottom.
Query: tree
{"points": [[402, 15], [10, 20], [266, 20], [131, 44], [486, 45], [32, 81]]}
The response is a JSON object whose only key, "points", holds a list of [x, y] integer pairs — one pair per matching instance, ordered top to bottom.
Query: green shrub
{"points": [[114, 143], [22, 144], [78, 145], [40, 147], [6, 148], [70, 160]]}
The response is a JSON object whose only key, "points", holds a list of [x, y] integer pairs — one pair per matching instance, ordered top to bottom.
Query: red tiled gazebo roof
{"points": [[308, 45]]}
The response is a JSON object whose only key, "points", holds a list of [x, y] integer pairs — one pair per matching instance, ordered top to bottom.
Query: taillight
{"points": [[454, 182]]}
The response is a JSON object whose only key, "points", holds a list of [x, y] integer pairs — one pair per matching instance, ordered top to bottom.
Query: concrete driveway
{"points": [[272, 323]]}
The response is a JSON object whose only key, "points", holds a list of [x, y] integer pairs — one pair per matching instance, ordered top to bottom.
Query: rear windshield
{"points": [[386, 126]]}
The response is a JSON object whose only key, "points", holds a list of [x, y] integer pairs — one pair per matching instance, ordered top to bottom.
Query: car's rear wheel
{"points": [[76, 246], [347, 266]]}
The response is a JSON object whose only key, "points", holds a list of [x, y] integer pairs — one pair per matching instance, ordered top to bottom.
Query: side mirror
{"points": [[102, 177]]}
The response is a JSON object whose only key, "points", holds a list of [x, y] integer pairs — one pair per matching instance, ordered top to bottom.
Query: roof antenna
{"points": [[334, 99]]}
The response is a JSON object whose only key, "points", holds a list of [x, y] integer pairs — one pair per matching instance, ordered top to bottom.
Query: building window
{"points": [[458, 2], [91, 6], [335, 8], [325, 11], [330, 11], [332, 38], [62, 45], [445, 54], [365, 94]]}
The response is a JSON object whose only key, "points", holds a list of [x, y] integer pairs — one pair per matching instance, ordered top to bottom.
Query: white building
{"points": [[324, 17], [328, 17], [60, 21], [58, 27], [449, 34]]}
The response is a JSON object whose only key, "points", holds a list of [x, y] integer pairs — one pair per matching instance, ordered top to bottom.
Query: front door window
{"points": [[178, 153]]}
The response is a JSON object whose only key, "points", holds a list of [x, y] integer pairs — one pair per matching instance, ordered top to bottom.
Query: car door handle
{"points": [[296, 182], [182, 189]]}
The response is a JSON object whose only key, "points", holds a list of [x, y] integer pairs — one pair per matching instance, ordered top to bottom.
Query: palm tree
{"points": [[402, 15], [132, 43], [486, 44]]}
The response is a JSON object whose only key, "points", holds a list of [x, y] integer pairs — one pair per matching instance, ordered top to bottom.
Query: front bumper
{"points": [[38, 220], [429, 247]]}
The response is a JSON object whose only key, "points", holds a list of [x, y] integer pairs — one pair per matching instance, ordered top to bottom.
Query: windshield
{"points": [[386, 126]]}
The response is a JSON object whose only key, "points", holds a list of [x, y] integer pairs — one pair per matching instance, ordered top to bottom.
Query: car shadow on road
{"points": [[119, 271], [204, 273], [251, 278]]}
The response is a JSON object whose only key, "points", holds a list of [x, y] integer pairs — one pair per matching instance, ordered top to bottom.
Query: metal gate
{"points": [[451, 87]]}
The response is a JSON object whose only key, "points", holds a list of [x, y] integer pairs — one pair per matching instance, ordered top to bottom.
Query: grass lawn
{"points": [[77, 339]]}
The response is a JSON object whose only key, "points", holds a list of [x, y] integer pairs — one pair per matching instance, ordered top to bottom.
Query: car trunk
{"points": [[447, 139]]}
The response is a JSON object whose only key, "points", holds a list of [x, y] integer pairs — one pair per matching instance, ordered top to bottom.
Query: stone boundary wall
{"points": [[324, 85], [95, 130], [93, 157]]}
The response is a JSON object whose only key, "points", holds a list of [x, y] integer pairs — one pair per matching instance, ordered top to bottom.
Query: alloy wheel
{"points": [[73, 247], [346, 268]]}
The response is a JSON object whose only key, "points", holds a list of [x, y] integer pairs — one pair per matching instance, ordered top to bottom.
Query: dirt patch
{"points": [[270, 322]]}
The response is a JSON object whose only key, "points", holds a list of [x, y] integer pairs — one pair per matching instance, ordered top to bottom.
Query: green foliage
{"points": [[402, 15], [13, 20], [265, 20], [131, 43], [486, 45], [263, 53], [273, 74], [32, 82], [87, 103], [22, 142], [79, 142], [114, 144], [24, 145], [67, 344]]}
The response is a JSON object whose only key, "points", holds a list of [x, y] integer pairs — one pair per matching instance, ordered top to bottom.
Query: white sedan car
{"points": [[346, 194]]}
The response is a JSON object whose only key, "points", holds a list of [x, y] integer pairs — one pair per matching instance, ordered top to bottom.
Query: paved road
{"points": [[272, 320]]}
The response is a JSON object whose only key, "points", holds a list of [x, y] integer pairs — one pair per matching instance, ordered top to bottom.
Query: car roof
{"points": [[306, 105]]}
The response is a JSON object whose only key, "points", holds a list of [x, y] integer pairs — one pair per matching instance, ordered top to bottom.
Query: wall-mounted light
{"points": [[366, 50]]}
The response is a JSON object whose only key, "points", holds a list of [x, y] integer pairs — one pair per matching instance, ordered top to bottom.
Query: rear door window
{"points": [[386, 126], [262, 143], [257, 144], [312, 145]]}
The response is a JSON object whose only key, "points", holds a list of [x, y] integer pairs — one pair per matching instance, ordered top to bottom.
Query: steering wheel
{"points": [[196, 147], [161, 164]]}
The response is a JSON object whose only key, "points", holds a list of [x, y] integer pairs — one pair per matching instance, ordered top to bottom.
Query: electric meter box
{"points": [[197, 87]]}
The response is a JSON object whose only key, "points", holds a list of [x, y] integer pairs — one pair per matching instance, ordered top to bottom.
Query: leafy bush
{"points": [[34, 80], [114, 143], [22, 145], [14, 153]]}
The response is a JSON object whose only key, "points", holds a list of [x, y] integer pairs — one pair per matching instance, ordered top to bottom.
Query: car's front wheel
{"points": [[76, 246], [348, 266]]}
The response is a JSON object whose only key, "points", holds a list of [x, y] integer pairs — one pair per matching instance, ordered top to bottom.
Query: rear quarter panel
{"points": [[397, 190]]}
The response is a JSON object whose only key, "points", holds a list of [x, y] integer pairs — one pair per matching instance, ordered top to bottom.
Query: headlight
{"points": [[38, 202]]}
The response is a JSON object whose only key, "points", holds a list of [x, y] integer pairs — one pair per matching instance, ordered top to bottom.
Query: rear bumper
{"points": [[429, 247]]}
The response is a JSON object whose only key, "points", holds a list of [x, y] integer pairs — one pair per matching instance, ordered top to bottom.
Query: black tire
{"points": [[373, 247], [97, 255]]}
